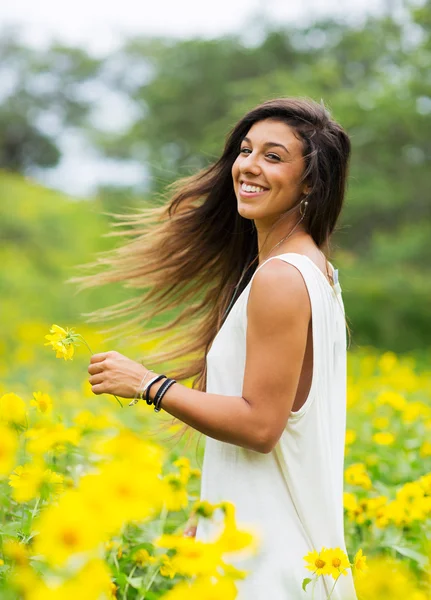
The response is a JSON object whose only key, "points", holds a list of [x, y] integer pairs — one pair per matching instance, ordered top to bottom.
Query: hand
{"points": [[114, 373], [191, 526]]}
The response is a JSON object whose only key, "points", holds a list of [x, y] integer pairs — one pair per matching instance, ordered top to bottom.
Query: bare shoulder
{"points": [[279, 293]]}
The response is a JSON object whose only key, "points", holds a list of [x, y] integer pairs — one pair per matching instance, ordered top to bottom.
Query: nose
{"points": [[250, 164]]}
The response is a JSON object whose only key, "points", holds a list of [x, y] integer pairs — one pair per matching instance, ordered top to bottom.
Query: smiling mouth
{"points": [[252, 189]]}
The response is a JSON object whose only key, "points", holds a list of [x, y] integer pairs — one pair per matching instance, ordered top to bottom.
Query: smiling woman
{"points": [[241, 248]]}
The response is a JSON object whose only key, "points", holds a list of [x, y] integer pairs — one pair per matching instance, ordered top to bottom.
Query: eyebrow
{"points": [[268, 144]]}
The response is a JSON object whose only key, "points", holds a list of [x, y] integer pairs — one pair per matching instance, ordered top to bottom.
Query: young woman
{"points": [[239, 252]]}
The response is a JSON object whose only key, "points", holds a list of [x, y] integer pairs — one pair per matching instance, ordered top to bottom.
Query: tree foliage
{"points": [[183, 96]]}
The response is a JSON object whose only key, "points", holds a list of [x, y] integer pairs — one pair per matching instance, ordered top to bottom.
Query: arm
{"points": [[278, 318]]}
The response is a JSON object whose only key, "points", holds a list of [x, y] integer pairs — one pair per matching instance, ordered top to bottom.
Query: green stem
{"points": [[82, 340], [91, 352], [117, 399], [36, 506], [163, 517], [335, 582], [150, 583], [313, 587], [126, 588]]}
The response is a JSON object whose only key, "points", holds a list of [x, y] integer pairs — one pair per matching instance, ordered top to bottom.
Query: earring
{"points": [[305, 203]]}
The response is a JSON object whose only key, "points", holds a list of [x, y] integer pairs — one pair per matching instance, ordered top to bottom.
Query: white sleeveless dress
{"points": [[293, 496]]}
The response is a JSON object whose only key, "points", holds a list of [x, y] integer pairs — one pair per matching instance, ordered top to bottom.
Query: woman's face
{"points": [[267, 172]]}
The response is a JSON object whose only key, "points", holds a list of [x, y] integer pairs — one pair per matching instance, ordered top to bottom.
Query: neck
{"points": [[276, 239]]}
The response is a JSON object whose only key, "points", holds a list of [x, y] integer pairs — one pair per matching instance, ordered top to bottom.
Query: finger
{"points": [[96, 358], [95, 368], [96, 379], [99, 388], [190, 531]]}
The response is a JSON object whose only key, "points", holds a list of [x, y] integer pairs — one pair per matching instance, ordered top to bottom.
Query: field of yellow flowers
{"points": [[95, 497]]}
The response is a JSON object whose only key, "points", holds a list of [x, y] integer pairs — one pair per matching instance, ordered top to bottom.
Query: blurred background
{"points": [[102, 105]]}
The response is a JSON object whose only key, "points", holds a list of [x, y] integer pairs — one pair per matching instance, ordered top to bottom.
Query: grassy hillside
{"points": [[45, 235]]}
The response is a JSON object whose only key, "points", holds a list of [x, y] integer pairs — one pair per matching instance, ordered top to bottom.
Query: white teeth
{"points": [[251, 188]]}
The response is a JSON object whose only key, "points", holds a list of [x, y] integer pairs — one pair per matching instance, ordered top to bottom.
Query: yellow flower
{"points": [[62, 341], [388, 362], [393, 399], [42, 402], [13, 410], [415, 411], [87, 421], [381, 423], [53, 437], [350, 437], [384, 438], [8, 449], [425, 449], [146, 456], [183, 464], [357, 475], [54, 480], [26, 481], [425, 483], [410, 492], [120, 493], [175, 497], [350, 502], [204, 508], [375, 509], [67, 529], [233, 539], [15, 551], [192, 557], [142, 558], [360, 561], [318, 562], [338, 562], [166, 569], [25, 579], [388, 579], [93, 581], [204, 588]]}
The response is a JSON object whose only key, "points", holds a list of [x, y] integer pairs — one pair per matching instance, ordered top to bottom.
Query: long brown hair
{"points": [[188, 255]]}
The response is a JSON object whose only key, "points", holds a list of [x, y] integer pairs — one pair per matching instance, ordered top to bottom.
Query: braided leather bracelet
{"points": [[148, 387], [161, 392]]}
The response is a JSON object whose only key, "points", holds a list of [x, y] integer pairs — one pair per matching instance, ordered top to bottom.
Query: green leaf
{"points": [[11, 528], [421, 559], [306, 581], [135, 582]]}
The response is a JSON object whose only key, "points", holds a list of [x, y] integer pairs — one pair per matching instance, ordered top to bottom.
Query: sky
{"points": [[101, 25]]}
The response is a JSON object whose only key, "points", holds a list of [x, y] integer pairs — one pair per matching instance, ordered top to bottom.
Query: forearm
{"points": [[226, 418], [229, 419]]}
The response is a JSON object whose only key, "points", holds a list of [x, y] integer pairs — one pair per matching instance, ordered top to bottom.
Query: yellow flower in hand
{"points": [[62, 341]]}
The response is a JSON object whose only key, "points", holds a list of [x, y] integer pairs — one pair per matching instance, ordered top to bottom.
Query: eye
{"points": [[244, 151], [273, 156]]}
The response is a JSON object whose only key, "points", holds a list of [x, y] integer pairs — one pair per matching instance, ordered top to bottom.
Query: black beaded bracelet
{"points": [[147, 391], [161, 392]]}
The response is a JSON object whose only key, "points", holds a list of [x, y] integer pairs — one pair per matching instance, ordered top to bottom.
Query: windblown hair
{"points": [[188, 255]]}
